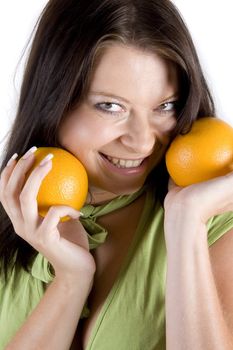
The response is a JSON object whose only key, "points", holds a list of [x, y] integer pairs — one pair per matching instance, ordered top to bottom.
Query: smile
{"points": [[124, 163]]}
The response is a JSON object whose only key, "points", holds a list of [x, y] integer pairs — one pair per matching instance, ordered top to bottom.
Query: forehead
{"points": [[131, 71]]}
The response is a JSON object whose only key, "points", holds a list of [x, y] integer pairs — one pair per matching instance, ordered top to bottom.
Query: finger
{"points": [[20, 170], [5, 175], [16, 182], [28, 196], [55, 214]]}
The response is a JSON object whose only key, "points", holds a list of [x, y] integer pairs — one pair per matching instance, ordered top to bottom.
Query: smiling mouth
{"points": [[124, 163]]}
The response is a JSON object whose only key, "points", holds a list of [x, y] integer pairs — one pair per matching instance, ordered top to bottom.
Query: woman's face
{"points": [[121, 129]]}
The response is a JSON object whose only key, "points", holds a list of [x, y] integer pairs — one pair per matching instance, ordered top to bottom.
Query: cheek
{"points": [[165, 129], [73, 132], [87, 133], [163, 135], [75, 140]]}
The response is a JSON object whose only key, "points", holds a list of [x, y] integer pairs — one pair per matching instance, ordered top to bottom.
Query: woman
{"points": [[113, 82]]}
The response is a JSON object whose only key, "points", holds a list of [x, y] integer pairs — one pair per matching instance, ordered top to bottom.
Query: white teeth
{"points": [[114, 161], [125, 163]]}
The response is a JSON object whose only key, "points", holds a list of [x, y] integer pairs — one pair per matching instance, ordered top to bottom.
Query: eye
{"points": [[168, 106], [109, 107]]}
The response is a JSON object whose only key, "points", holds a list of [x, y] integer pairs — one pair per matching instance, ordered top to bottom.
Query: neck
{"points": [[96, 196]]}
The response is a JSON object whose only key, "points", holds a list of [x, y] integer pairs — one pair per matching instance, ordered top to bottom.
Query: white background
{"points": [[210, 23]]}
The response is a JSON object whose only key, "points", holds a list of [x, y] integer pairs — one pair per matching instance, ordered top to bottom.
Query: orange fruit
{"points": [[202, 154], [65, 184]]}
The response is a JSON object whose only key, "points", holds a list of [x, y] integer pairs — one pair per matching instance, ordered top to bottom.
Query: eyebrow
{"points": [[105, 94], [108, 95], [173, 96]]}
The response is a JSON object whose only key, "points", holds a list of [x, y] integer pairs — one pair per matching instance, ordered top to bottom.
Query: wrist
{"points": [[182, 233], [74, 284]]}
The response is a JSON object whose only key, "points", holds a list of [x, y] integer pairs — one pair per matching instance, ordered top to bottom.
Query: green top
{"points": [[133, 315]]}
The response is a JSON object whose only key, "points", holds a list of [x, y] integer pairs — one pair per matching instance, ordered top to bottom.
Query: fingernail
{"points": [[29, 152], [46, 159], [10, 161]]}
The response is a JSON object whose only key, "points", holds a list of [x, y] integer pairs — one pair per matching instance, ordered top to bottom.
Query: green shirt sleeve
{"points": [[218, 225], [42, 270], [20, 295]]}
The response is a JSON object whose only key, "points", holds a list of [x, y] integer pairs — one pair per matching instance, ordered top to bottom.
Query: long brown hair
{"points": [[66, 45]]}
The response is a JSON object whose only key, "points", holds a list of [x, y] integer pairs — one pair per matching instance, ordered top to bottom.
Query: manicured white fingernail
{"points": [[29, 152], [46, 159], [10, 161]]}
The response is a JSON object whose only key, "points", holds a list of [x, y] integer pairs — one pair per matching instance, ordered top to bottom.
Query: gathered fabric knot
{"points": [[97, 234]]}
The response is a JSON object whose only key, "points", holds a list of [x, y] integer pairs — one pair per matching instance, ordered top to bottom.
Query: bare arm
{"points": [[195, 316], [53, 323]]}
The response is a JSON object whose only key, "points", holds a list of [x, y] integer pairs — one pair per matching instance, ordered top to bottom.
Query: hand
{"points": [[192, 206], [65, 245]]}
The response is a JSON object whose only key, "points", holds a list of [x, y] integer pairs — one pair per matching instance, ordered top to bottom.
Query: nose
{"points": [[139, 135]]}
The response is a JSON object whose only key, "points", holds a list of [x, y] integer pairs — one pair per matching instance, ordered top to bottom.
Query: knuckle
{"points": [[3, 173], [10, 190], [9, 193], [23, 197], [7, 200], [18, 228]]}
